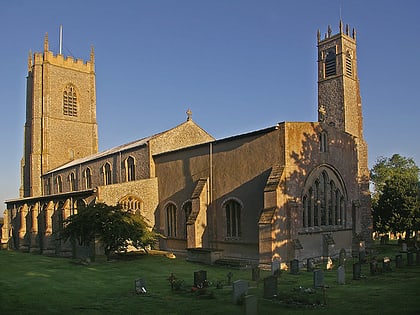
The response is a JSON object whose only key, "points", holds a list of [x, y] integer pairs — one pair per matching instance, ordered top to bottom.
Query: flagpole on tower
{"points": [[61, 39]]}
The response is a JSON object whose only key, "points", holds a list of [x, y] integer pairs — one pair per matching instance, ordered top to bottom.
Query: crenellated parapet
{"points": [[60, 60]]}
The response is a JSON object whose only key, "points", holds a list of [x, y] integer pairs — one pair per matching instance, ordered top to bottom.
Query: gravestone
{"points": [[404, 247], [342, 257], [410, 258], [398, 261], [310, 264], [386, 264], [275, 267], [294, 267], [374, 268], [357, 271], [256, 273], [341, 275], [229, 278], [318, 278], [200, 279], [140, 286], [270, 287], [240, 289], [251, 305]]}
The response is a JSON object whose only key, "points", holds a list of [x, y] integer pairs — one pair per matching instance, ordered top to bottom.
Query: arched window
{"points": [[330, 63], [70, 101], [323, 141], [130, 169], [107, 172], [87, 175], [72, 181], [59, 184], [48, 186], [323, 199], [187, 207], [233, 219], [171, 220]]}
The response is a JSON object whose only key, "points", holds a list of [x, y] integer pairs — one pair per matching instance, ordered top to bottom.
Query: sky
{"points": [[239, 65]]}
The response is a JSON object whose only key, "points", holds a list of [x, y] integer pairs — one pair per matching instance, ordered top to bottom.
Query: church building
{"points": [[295, 190]]}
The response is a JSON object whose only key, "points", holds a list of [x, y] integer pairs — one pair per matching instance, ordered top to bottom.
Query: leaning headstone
{"points": [[342, 257], [410, 258], [398, 261], [310, 265], [275, 267], [294, 267], [357, 271], [256, 273], [341, 275], [318, 278], [200, 279], [140, 286], [270, 287], [240, 289], [251, 305]]}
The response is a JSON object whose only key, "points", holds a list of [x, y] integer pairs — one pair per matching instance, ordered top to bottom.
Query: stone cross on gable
{"points": [[189, 114]]}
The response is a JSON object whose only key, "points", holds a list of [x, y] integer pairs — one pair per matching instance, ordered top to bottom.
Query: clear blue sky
{"points": [[239, 65]]}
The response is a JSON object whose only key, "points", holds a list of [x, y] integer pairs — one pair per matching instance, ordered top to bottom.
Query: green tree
{"points": [[395, 197], [114, 227]]}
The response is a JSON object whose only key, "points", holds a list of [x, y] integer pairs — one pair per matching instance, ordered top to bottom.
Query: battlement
{"points": [[329, 35], [62, 61]]}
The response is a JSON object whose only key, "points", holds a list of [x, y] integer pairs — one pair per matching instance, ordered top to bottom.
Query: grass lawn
{"points": [[36, 284]]}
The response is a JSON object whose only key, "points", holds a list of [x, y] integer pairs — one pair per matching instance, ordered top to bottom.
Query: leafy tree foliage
{"points": [[395, 198], [114, 227]]}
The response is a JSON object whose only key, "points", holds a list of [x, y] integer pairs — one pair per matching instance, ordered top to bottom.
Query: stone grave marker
{"points": [[404, 247], [342, 257], [410, 258], [398, 261], [386, 264], [310, 265], [275, 267], [294, 267], [374, 268], [357, 271], [255, 273], [341, 275], [229, 278], [318, 278], [200, 279], [140, 286], [270, 287], [240, 289], [251, 305]]}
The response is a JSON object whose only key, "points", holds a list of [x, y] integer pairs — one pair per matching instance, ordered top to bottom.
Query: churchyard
{"points": [[157, 284]]}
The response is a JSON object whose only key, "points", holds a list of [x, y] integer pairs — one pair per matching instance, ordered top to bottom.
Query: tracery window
{"points": [[70, 101], [130, 169], [107, 173], [87, 176], [72, 181], [59, 184], [323, 199], [131, 203], [233, 218], [171, 220]]}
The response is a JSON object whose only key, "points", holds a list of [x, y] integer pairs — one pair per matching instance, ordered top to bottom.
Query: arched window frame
{"points": [[70, 101], [323, 141], [130, 169], [107, 173], [87, 176], [72, 181], [59, 183], [324, 199], [131, 203], [233, 214], [171, 219]]}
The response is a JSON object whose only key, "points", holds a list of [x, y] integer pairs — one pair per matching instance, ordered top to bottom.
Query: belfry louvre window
{"points": [[330, 63], [349, 70], [70, 101], [233, 219]]}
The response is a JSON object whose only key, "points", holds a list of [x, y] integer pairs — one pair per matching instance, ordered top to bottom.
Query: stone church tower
{"points": [[340, 106], [60, 116]]}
